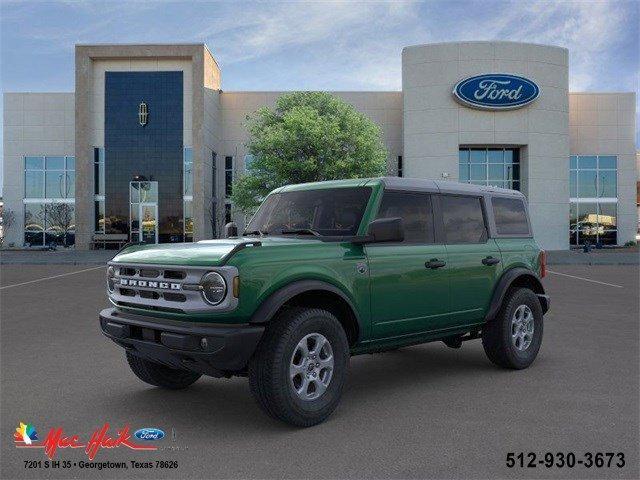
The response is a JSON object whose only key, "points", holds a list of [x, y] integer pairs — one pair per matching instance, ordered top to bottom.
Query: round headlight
{"points": [[111, 273], [214, 288]]}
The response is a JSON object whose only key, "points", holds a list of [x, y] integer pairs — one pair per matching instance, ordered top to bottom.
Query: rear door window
{"points": [[415, 211], [511, 216], [463, 219]]}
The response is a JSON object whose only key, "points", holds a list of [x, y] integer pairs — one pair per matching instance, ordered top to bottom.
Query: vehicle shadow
{"points": [[428, 363], [228, 403]]}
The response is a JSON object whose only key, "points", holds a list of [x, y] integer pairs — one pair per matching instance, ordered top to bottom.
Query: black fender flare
{"points": [[506, 280], [270, 306]]}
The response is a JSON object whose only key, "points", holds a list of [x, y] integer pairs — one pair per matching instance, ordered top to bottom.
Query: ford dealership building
{"points": [[147, 146]]}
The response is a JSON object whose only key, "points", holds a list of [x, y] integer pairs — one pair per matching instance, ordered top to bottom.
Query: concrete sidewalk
{"points": [[617, 256], [58, 257]]}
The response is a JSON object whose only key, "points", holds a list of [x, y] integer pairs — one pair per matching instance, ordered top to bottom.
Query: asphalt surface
{"points": [[421, 412]]}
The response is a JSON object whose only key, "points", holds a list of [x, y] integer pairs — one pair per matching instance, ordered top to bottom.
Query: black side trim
{"points": [[505, 282], [271, 305]]}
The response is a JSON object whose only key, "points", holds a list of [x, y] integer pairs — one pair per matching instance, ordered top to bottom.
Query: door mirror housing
{"points": [[230, 230], [383, 230]]}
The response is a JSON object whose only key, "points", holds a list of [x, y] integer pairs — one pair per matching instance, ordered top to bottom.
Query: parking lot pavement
{"points": [[421, 412]]}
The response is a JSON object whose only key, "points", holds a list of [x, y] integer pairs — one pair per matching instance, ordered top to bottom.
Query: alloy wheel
{"points": [[522, 326], [311, 366]]}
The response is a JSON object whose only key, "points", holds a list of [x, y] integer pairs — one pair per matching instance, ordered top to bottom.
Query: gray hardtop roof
{"points": [[445, 186]]}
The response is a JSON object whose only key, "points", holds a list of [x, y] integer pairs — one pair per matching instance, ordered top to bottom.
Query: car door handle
{"points": [[490, 261], [435, 263]]}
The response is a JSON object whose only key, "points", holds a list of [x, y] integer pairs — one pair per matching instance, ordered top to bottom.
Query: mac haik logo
{"points": [[496, 91], [143, 113], [25, 433], [25, 436]]}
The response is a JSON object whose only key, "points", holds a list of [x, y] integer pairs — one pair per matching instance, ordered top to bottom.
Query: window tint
{"points": [[328, 211], [415, 211], [511, 216], [463, 219]]}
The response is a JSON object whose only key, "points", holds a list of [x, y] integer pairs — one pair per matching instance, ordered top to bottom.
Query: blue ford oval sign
{"points": [[496, 91], [149, 434]]}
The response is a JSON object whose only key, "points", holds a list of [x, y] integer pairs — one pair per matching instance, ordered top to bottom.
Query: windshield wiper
{"points": [[301, 231], [254, 232]]}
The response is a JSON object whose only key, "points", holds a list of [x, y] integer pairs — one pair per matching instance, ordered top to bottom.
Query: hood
{"points": [[203, 253]]}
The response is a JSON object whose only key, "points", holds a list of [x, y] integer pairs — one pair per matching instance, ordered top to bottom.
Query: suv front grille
{"points": [[149, 272], [174, 274], [154, 287], [174, 297], [149, 307]]}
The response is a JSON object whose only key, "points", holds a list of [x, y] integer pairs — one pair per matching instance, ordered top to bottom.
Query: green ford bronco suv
{"points": [[328, 270]]}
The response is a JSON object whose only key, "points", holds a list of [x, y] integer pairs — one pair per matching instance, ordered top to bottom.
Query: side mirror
{"points": [[230, 230], [386, 230]]}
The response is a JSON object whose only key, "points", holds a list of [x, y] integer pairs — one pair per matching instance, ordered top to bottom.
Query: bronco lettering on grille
{"points": [[146, 283]]}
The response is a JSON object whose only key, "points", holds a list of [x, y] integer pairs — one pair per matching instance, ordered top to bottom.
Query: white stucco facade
{"points": [[422, 124], [436, 126]]}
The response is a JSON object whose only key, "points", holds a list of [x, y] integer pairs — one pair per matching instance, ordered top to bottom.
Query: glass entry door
{"points": [[143, 212], [149, 222]]}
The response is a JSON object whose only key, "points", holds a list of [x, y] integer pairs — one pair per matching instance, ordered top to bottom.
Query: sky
{"points": [[333, 45]]}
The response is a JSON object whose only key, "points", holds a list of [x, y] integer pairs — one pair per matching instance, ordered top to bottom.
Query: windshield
{"points": [[332, 211]]}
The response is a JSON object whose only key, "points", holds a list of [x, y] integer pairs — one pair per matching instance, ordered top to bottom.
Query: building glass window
{"points": [[153, 152], [214, 159], [498, 167], [98, 171], [188, 171], [228, 175], [51, 177], [34, 184], [98, 190], [593, 190], [187, 194], [49, 198], [143, 211], [227, 213], [188, 220], [98, 225]]}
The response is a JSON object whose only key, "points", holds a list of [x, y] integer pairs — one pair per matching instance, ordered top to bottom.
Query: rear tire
{"points": [[513, 338], [299, 368], [159, 375]]}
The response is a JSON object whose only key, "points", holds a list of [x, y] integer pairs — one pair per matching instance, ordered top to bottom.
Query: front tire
{"points": [[513, 338], [299, 368], [159, 375]]}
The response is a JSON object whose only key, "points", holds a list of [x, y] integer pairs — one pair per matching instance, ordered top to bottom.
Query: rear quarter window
{"points": [[511, 216]]}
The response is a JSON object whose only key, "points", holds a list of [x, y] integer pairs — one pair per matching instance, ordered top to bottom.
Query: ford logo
{"points": [[496, 91], [149, 434]]}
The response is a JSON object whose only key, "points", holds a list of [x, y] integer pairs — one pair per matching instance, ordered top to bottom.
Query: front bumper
{"points": [[212, 349]]}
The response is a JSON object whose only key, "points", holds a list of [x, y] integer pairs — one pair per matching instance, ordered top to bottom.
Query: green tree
{"points": [[308, 137]]}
